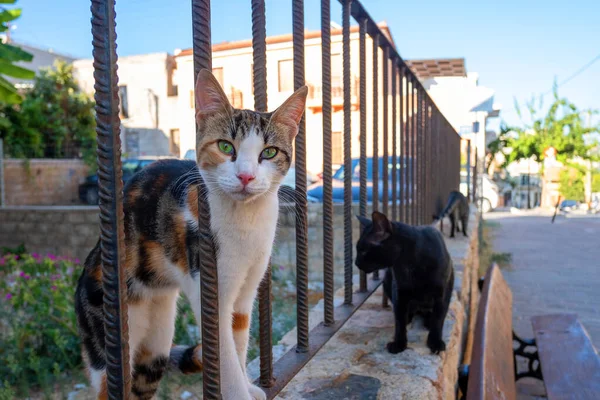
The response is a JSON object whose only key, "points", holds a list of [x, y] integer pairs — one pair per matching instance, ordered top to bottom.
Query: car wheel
{"points": [[91, 196], [486, 205]]}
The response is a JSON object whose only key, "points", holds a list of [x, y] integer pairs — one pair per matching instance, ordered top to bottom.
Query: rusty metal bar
{"points": [[259, 72], [363, 132], [420, 138], [394, 144], [409, 151], [413, 151], [347, 154], [375, 158], [385, 161], [403, 169], [110, 183], [375, 189], [301, 208], [209, 281], [328, 287], [293, 361]]}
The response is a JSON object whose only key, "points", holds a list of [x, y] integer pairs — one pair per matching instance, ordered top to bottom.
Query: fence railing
{"points": [[425, 159]]}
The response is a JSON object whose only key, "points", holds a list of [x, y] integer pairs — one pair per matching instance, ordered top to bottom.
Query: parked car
{"points": [[290, 178], [88, 189], [315, 192], [490, 195], [569, 205]]}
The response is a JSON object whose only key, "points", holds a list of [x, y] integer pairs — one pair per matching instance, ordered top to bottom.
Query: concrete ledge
{"points": [[355, 364]]}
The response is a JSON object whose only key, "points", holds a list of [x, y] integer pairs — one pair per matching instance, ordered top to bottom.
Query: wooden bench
{"points": [[561, 353]]}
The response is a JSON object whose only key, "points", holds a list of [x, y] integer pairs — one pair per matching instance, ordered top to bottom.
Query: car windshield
{"points": [[339, 174]]}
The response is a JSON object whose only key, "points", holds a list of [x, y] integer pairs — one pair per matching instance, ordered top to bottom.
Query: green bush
{"points": [[38, 333]]}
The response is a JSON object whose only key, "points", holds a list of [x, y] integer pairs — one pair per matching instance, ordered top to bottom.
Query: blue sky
{"points": [[517, 46]]}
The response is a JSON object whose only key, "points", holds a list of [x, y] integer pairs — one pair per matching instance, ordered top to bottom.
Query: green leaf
{"points": [[8, 1], [10, 15], [13, 53], [6, 68], [8, 93]]}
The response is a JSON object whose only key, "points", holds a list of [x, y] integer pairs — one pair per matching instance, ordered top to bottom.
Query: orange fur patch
{"points": [[210, 156], [133, 194], [192, 201], [180, 236], [97, 273], [239, 321], [198, 358], [103, 393]]}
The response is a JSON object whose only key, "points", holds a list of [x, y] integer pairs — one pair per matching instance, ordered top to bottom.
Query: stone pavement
{"points": [[555, 267]]}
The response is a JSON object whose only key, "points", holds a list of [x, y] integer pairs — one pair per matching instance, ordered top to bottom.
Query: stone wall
{"points": [[43, 181], [65, 231]]}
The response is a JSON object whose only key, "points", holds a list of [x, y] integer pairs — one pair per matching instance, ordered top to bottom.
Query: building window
{"points": [[218, 73], [286, 75], [337, 76], [124, 111], [174, 142], [337, 148]]}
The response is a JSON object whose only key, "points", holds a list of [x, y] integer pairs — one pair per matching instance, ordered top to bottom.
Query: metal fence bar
{"points": [[259, 73], [363, 131], [420, 140], [394, 144], [403, 147], [409, 150], [413, 151], [347, 154], [375, 157], [385, 161], [468, 167], [375, 189], [301, 208], [112, 227], [208, 261], [328, 287]]}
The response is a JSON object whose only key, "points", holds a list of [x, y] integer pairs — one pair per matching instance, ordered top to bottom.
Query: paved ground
{"points": [[555, 267]]}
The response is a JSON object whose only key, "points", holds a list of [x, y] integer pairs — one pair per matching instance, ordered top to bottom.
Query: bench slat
{"points": [[570, 363], [491, 373]]}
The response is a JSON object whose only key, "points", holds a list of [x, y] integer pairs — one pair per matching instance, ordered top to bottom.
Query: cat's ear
{"points": [[210, 98], [290, 112], [365, 222], [381, 225]]}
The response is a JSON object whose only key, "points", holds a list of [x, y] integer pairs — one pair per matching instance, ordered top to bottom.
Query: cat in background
{"points": [[242, 156], [457, 209], [419, 276]]}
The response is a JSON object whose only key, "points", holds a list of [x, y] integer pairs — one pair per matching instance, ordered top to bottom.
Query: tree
{"points": [[9, 54], [55, 120], [562, 127], [571, 184]]}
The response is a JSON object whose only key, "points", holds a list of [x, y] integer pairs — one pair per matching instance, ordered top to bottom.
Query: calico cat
{"points": [[242, 157], [457, 209], [419, 278]]}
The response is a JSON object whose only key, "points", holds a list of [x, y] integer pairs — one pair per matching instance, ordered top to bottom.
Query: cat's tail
{"points": [[452, 203], [187, 359]]}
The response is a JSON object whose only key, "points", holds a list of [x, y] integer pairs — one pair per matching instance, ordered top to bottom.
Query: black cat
{"points": [[457, 209], [419, 277]]}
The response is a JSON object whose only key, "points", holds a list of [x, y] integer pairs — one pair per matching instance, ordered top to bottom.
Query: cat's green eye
{"points": [[225, 147], [269, 152]]}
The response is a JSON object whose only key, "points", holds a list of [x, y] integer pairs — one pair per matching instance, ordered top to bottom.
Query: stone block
{"points": [[75, 217]]}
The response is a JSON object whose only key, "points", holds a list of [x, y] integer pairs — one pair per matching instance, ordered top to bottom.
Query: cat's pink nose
{"points": [[245, 178]]}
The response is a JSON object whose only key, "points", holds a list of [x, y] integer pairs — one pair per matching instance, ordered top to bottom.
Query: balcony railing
{"points": [[424, 136]]}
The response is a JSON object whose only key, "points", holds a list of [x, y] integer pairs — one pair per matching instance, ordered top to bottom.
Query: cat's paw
{"points": [[436, 345], [396, 347], [256, 393]]}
